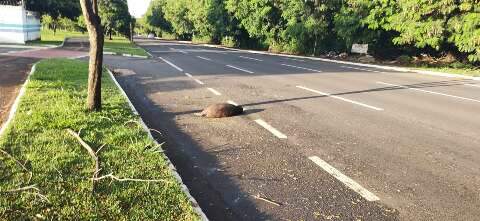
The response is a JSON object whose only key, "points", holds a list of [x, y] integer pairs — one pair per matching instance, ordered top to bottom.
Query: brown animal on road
{"points": [[221, 110]]}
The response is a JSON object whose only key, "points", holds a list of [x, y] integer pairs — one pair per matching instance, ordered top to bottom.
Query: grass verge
{"points": [[118, 45], [38, 154]]}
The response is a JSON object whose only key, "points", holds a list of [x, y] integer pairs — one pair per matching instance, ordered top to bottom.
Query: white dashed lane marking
{"points": [[204, 58], [249, 58], [171, 64], [303, 68], [240, 69], [363, 69], [198, 81], [473, 85], [214, 91], [429, 92], [341, 98], [232, 102], [271, 129], [344, 179]]}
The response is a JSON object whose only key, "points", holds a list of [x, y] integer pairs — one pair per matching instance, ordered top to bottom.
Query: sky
{"points": [[138, 7]]}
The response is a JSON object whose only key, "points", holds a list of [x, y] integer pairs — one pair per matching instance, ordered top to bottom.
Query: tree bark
{"points": [[95, 68]]}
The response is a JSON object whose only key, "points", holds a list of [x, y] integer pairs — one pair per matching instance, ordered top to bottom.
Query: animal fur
{"points": [[221, 110]]}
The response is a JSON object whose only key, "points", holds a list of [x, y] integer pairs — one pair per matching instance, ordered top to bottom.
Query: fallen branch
{"points": [[91, 152], [13, 158], [111, 176], [31, 187], [25, 190], [267, 200]]}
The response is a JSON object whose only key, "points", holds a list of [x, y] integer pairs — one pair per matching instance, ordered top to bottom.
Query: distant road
{"points": [[319, 140]]}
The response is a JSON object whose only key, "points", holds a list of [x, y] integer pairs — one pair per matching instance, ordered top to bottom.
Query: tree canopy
{"points": [[316, 26]]}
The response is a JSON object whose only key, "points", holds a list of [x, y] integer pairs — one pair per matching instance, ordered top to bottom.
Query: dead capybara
{"points": [[221, 110]]}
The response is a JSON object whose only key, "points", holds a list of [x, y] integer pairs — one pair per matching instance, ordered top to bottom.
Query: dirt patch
{"points": [[14, 71]]}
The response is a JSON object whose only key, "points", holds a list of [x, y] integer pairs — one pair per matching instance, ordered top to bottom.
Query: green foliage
{"points": [[55, 8], [115, 16], [390, 27], [229, 41], [60, 167]]}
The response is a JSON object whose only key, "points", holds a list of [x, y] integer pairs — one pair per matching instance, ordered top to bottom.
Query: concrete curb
{"points": [[384, 67], [14, 107], [170, 165]]}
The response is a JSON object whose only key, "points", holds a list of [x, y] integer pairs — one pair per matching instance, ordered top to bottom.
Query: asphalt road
{"points": [[319, 140]]}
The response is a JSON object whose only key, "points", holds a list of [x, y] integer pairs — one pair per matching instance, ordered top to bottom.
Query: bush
{"points": [[229, 41]]}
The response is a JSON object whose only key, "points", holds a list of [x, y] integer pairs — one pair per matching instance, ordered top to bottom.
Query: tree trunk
{"points": [[110, 34], [95, 68]]}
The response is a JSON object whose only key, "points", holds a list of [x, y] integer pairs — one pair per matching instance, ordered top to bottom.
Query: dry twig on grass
{"points": [[90, 151], [13, 158], [111, 176], [30, 187]]}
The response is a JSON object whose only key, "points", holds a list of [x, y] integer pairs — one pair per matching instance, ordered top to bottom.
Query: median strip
{"points": [[240, 69], [308, 69], [429, 92], [341, 98], [271, 129], [50, 170], [344, 179]]}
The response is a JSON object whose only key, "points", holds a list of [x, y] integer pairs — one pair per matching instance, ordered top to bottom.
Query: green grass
{"points": [[118, 44], [60, 167]]}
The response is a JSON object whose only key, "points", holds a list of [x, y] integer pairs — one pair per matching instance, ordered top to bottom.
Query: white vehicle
{"points": [[151, 35]]}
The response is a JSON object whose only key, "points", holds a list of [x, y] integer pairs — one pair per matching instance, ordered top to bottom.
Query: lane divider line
{"points": [[207, 59], [255, 59], [293, 59], [171, 64], [240, 69], [308, 69], [363, 69], [189, 75], [198, 81], [473, 85], [214, 91], [429, 92], [341, 98], [232, 102], [271, 129], [344, 179]]}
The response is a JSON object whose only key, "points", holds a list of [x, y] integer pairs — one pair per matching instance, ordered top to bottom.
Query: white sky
{"points": [[138, 7]]}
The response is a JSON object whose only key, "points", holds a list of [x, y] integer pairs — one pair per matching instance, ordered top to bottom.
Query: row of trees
{"points": [[67, 15], [390, 27]]}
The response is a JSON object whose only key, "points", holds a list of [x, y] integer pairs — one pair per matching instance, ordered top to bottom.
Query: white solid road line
{"points": [[250, 58], [207, 59], [171, 64], [240, 69], [308, 69], [363, 69], [189, 75], [198, 81], [473, 85], [214, 91], [429, 92], [341, 98], [232, 102], [271, 129], [344, 179]]}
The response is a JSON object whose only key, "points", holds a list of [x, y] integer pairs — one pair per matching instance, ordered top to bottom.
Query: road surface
{"points": [[318, 141]]}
